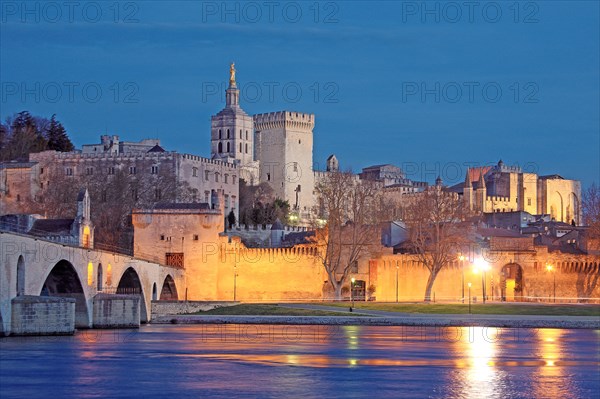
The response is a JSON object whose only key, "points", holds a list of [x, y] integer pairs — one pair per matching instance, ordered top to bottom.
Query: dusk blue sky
{"points": [[355, 62]]}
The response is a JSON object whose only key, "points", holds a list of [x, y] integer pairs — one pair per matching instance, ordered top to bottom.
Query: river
{"points": [[303, 362]]}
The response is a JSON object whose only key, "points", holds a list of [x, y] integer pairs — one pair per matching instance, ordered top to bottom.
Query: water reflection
{"points": [[549, 346], [305, 361]]}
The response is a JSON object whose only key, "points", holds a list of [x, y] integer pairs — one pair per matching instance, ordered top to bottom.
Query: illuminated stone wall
{"points": [[571, 272]]}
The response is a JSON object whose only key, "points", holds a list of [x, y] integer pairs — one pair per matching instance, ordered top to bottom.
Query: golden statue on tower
{"points": [[232, 74]]}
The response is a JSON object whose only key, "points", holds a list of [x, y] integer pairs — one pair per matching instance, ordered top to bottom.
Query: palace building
{"points": [[503, 188]]}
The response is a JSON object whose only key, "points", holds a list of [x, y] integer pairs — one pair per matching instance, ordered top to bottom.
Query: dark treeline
{"points": [[23, 133]]}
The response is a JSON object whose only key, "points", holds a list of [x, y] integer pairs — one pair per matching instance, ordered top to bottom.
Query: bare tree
{"points": [[113, 197], [591, 210], [348, 226], [437, 230], [587, 278]]}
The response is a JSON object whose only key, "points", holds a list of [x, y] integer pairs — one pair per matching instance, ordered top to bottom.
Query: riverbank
{"points": [[502, 321]]}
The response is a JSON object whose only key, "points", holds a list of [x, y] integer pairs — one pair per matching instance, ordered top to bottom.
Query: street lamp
{"points": [[480, 263], [462, 267], [550, 268], [396, 284], [352, 292], [469, 298]]}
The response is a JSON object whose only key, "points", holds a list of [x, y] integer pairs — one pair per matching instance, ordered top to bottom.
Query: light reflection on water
{"points": [[304, 361]]}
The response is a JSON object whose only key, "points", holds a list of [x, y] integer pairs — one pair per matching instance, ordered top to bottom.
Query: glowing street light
{"points": [[481, 264], [550, 268]]}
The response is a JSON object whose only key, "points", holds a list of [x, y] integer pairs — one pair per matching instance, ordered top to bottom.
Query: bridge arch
{"points": [[20, 276], [63, 281], [130, 284], [169, 290]]}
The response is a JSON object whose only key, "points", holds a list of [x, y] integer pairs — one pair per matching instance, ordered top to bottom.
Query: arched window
{"points": [[227, 133], [220, 134], [241, 134], [246, 135], [220, 147], [240, 147], [228, 148], [246, 148], [90, 274], [109, 275]]}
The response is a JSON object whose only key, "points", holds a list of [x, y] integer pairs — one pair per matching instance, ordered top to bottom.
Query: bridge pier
{"points": [[116, 311]]}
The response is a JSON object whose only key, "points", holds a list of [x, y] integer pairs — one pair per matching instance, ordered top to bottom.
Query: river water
{"points": [[303, 362]]}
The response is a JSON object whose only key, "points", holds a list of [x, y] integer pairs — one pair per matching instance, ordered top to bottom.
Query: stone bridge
{"points": [[99, 283]]}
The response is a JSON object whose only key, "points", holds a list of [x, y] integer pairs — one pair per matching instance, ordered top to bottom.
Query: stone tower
{"points": [[232, 129], [284, 145], [332, 163], [468, 191], [480, 193]]}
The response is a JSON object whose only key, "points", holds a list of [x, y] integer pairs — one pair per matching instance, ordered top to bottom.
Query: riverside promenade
{"points": [[385, 318]]}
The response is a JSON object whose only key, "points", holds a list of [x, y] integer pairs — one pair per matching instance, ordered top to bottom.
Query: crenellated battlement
{"points": [[287, 119], [79, 156], [106, 156], [208, 161], [497, 199], [267, 227], [237, 249]]}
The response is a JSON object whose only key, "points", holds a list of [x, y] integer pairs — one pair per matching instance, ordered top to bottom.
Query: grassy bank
{"points": [[490, 308], [266, 310]]}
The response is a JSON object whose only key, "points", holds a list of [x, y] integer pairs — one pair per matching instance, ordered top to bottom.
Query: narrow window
{"points": [[228, 148], [154, 170], [194, 171], [206, 175], [195, 237]]}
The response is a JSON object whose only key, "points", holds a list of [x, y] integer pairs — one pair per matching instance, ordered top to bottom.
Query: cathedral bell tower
{"points": [[232, 129]]}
